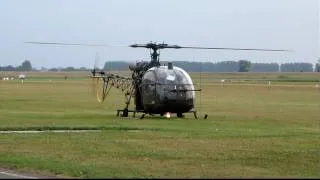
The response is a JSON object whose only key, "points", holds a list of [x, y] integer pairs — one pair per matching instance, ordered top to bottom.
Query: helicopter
{"points": [[155, 88]]}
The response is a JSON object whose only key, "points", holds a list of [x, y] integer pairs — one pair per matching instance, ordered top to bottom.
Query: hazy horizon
{"points": [[271, 24], [130, 62]]}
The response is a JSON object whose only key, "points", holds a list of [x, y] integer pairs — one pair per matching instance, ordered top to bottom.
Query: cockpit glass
{"points": [[165, 76], [168, 82]]}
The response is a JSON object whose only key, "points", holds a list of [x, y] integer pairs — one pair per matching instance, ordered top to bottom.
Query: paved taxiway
{"points": [[6, 174]]}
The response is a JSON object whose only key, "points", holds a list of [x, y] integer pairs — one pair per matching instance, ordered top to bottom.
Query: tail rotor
{"points": [[100, 81], [95, 85]]}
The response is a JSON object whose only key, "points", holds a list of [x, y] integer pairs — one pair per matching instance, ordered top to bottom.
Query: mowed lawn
{"points": [[253, 130]]}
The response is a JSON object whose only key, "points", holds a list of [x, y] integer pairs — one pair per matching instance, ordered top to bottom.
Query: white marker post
{"points": [[269, 84], [168, 115]]}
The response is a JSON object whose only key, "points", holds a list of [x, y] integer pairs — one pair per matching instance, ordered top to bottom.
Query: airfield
{"points": [[259, 125]]}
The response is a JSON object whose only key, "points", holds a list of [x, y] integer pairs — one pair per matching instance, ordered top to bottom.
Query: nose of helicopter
{"points": [[177, 105]]}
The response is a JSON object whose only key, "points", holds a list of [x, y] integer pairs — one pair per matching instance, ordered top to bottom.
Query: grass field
{"points": [[253, 130]]}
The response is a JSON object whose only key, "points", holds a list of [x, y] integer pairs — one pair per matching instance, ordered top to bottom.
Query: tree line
{"points": [[25, 66], [224, 66], [227, 66]]}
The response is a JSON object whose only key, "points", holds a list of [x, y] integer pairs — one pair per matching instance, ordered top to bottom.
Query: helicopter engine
{"points": [[167, 89]]}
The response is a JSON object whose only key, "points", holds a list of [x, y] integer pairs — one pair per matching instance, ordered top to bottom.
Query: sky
{"points": [[272, 24]]}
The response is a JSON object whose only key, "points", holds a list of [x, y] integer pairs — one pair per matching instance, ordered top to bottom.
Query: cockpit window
{"points": [[165, 76], [149, 77]]}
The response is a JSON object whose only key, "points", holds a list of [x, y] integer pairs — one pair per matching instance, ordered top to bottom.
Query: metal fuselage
{"points": [[166, 89]]}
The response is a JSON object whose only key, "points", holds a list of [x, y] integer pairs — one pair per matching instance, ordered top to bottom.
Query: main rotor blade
{"points": [[72, 44], [154, 46], [166, 46], [238, 49]]}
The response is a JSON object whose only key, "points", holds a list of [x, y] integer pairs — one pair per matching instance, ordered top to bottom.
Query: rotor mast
{"points": [[155, 50], [155, 55]]}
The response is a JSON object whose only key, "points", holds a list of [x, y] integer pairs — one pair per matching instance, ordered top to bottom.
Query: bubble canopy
{"points": [[167, 89]]}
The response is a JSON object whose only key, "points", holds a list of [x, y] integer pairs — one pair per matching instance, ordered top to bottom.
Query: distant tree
{"points": [[116, 65], [26, 66], [223, 66], [226, 66], [244, 66], [265, 67], [296, 67], [8, 68], [19, 68], [70, 68], [317, 68], [43, 69], [54, 69], [83, 69]]}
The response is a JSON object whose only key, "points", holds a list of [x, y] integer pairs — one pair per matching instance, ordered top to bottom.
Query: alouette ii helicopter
{"points": [[156, 88]]}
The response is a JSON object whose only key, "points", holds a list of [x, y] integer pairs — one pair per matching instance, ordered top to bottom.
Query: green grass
{"points": [[252, 130]]}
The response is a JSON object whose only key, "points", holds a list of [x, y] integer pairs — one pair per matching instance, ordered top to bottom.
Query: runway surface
{"points": [[49, 131], [8, 174], [12, 174]]}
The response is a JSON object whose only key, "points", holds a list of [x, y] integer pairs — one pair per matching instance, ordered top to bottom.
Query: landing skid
{"points": [[125, 113]]}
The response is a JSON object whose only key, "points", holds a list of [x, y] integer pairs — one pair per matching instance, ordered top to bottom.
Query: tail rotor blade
{"points": [[96, 61], [96, 68], [94, 72]]}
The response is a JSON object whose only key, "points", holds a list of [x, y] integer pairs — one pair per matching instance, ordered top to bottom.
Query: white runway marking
{"points": [[50, 131], [8, 175]]}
